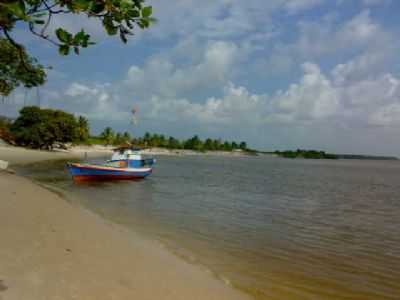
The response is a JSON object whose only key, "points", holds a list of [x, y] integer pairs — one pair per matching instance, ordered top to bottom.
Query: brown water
{"points": [[277, 228]]}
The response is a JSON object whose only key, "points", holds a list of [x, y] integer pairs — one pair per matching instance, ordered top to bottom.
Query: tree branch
{"points": [[42, 32], [41, 35], [20, 50]]}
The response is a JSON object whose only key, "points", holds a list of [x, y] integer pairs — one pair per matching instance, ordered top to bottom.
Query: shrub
{"points": [[41, 128]]}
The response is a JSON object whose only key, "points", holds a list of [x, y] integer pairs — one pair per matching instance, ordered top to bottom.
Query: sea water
{"points": [[275, 228]]}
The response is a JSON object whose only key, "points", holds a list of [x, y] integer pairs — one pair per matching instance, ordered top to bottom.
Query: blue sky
{"points": [[278, 74]]}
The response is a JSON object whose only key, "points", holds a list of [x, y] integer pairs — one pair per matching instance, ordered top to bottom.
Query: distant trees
{"points": [[42, 128], [83, 129], [108, 135], [122, 138], [193, 143], [307, 154]]}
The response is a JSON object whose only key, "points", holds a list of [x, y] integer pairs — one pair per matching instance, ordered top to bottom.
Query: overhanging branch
{"points": [[20, 50]]}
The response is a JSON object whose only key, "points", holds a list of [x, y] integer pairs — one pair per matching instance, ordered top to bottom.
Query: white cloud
{"points": [[360, 30], [317, 39], [199, 70], [160, 76], [317, 97], [312, 99], [388, 115]]}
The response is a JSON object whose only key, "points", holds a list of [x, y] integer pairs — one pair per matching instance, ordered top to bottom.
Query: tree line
{"points": [[45, 128], [109, 137], [307, 154]]}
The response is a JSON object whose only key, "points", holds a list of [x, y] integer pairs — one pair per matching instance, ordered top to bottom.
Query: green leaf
{"points": [[81, 4], [126, 4], [97, 7], [17, 8], [147, 11], [133, 13], [39, 15], [41, 22], [144, 23], [109, 26], [81, 35], [63, 36], [79, 38], [63, 49], [76, 50]]}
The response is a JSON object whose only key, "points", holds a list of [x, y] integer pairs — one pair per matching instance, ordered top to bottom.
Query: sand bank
{"points": [[19, 155], [50, 249]]}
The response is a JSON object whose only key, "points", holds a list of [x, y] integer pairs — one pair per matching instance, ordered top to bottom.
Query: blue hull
{"points": [[95, 172]]}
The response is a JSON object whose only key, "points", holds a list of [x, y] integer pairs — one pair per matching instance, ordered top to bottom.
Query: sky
{"points": [[278, 74]]}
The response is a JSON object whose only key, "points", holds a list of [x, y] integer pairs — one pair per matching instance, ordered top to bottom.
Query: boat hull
{"points": [[104, 173]]}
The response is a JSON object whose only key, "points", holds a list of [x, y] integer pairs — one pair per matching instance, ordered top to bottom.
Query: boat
{"points": [[125, 164]]}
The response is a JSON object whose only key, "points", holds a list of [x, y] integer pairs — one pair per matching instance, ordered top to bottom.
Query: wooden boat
{"points": [[125, 164]]}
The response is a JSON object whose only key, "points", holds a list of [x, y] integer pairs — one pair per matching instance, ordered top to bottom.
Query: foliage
{"points": [[116, 16], [13, 69], [41, 128], [82, 129], [5, 133], [108, 135], [122, 138], [94, 140], [194, 143], [307, 154]]}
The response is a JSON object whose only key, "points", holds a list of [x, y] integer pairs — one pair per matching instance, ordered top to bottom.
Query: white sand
{"points": [[50, 249]]}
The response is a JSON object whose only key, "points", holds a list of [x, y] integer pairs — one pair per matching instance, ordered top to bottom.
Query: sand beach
{"points": [[51, 249]]}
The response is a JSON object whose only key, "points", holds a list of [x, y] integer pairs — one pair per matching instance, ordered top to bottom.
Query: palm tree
{"points": [[83, 129], [108, 135]]}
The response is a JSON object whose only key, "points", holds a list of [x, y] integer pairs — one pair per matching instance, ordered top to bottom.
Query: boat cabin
{"points": [[129, 158]]}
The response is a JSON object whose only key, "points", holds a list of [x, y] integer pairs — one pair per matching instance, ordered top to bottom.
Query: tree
{"points": [[116, 16], [13, 69], [41, 128], [83, 129], [5, 133], [108, 135], [126, 137], [146, 139], [118, 140], [173, 143], [194, 143], [217, 144], [209, 145], [243, 145], [227, 146]]}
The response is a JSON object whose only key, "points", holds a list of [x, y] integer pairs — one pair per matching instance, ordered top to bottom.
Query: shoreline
{"points": [[19, 155], [52, 249]]}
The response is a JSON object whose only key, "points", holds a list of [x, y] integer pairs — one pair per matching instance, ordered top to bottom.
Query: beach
{"points": [[200, 227], [51, 249]]}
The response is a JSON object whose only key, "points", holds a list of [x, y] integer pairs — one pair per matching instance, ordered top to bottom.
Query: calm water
{"points": [[279, 229]]}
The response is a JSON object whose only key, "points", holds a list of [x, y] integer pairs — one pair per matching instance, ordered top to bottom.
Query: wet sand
{"points": [[50, 249]]}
